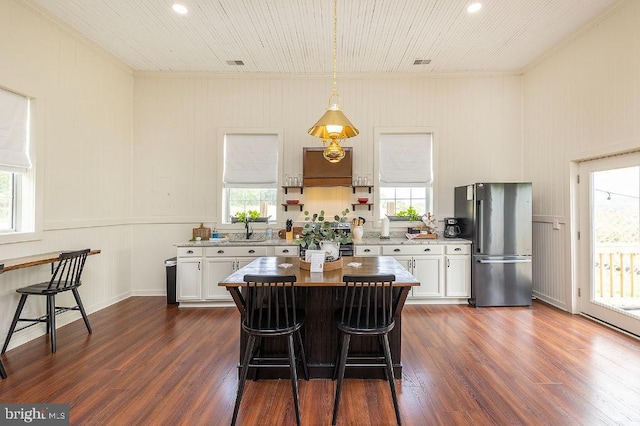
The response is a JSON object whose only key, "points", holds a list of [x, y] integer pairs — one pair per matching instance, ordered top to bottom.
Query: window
{"points": [[405, 173], [250, 174], [15, 212]]}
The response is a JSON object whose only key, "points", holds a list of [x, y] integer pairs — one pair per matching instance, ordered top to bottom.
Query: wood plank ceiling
{"points": [[295, 36]]}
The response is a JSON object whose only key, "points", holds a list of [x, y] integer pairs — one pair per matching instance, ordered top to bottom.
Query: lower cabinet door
{"points": [[216, 269], [429, 271], [458, 276], [189, 279]]}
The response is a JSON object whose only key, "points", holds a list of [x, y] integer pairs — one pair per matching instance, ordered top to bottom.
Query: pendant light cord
{"points": [[335, 43]]}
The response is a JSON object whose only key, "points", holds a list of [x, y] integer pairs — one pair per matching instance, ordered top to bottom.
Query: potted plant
{"points": [[318, 229]]}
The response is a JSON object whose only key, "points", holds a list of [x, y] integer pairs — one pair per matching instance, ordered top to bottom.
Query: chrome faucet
{"points": [[248, 230]]}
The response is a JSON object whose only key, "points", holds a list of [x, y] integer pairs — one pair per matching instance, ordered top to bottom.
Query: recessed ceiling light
{"points": [[474, 7], [178, 8], [421, 61], [235, 62]]}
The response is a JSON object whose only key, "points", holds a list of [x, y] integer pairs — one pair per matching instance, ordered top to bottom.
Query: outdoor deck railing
{"points": [[617, 271]]}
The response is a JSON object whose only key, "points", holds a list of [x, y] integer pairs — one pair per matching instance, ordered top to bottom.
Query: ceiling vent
{"points": [[422, 62], [235, 63]]}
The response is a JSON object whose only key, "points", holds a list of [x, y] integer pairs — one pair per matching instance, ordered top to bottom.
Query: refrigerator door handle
{"points": [[480, 226], [503, 260]]}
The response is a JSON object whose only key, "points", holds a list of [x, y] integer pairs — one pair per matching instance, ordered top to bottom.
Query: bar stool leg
{"points": [[76, 295], [16, 317], [51, 321], [346, 338], [305, 368], [3, 373], [243, 376], [294, 377], [392, 385]]}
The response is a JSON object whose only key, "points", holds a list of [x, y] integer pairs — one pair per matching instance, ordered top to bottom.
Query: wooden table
{"points": [[34, 260], [320, 297]]}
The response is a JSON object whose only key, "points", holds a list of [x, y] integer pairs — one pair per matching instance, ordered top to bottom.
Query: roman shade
{"points": [[14, 141], [405, 159], [250, 160]]}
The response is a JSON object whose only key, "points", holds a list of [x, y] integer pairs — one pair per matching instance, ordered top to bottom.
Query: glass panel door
{"points": [[610, 240]]}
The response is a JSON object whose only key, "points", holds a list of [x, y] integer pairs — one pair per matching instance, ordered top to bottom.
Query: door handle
{"points": [[504, 261], [198, 266]]}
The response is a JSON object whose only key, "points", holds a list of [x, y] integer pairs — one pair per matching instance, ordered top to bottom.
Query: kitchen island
{"points": [[320, 296]]}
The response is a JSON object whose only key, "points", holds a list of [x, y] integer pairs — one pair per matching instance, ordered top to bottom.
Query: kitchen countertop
{"points": [[366, 240]]}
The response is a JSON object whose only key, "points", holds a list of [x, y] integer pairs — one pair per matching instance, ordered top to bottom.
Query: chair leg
{"points": [[81, 307], [16, 317], [51, 320], [381, 343], [342, 361], [305, 368], [3, 373], [243, 376], [294, 378], [392, 385]]}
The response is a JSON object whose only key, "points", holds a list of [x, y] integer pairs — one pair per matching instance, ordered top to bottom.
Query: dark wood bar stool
{"points": [[65, 277], [367, 310], [271, 311]]}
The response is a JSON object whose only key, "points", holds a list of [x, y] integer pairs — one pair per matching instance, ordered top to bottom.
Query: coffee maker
{"points": [[451, 227]]}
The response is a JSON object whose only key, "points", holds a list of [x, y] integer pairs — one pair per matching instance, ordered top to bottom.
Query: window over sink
{"points": [[405, 171], [250, 175]]}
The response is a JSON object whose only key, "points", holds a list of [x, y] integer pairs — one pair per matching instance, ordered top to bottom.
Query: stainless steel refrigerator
{"points": [[496, 217]]}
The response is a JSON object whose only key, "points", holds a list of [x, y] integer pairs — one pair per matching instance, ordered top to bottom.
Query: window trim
{"points": [[377, 132]]}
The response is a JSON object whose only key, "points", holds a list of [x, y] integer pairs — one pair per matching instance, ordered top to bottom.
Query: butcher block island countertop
{"points": [[305, 278], [318, 294]]}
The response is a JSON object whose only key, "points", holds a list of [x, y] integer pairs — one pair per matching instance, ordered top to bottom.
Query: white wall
{"points": [[580, 102], [82, 112], [178, 121]]}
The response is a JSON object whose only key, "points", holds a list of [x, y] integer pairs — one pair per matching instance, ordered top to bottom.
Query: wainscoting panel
{"points": [[550, 264]]}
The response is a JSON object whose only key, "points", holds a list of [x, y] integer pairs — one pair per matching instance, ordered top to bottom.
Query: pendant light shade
{"points": [[334, 125]]}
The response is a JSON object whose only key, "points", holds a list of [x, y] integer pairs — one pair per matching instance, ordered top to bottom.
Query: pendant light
{"points": [[333, 126]]}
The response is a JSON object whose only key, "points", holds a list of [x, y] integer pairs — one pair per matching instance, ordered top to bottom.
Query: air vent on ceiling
{"points": [[422, 62], [235, 63]]}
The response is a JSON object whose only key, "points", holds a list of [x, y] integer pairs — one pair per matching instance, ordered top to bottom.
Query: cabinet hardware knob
{"points": [[427, 249], [457, 249], [367, 250], [396, 250], [189, 251], [220, 251], [252, 251], [285, 251]]}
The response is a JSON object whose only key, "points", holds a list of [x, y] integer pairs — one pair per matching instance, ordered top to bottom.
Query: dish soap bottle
{"points": [[268, 233]]}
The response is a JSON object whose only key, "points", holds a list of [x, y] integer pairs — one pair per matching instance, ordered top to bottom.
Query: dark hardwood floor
{"points": [[150, 364]]}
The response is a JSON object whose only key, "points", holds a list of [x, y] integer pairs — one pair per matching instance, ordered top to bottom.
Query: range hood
{"points": [[316, 171]]}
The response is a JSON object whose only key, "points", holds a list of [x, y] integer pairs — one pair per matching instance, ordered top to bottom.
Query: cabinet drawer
{"points": [[458, 248], [286, 250], [367, 250], [413, 250], [189, 251], [236, 251]]}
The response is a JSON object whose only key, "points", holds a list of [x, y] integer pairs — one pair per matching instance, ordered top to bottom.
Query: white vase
{"points": [[357, 232], [331, 249]]}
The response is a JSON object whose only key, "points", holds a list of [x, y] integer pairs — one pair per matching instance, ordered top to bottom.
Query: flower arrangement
{"points": [[318, 229]]}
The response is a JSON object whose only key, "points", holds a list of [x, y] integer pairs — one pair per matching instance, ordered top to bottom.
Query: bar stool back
{"points": [[65, 277], [367, 309], [271, 311]]}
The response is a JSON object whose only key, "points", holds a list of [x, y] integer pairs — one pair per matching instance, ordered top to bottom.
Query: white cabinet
{"points": [[367, 250], [286, 251], [425, 262], [201, 269], [444, 270], [458, 270], [189, 274]]}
